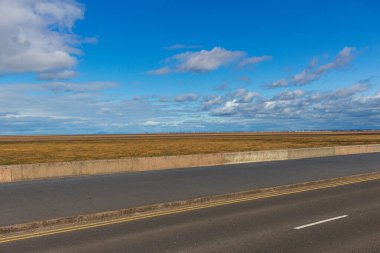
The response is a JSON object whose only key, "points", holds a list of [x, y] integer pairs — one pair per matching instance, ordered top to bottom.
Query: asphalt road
{"points": [[40, 200], [350, 217]]}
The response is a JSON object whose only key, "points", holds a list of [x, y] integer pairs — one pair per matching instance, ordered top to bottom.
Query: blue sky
{"points": [[70, 67]]}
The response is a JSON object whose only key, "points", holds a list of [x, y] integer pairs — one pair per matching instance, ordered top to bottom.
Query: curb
{"points": [[196, 202]]}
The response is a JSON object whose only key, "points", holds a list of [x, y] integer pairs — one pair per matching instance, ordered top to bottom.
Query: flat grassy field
{"points": [[40, 149]]}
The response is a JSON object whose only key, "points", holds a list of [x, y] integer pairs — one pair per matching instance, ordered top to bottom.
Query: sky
{"points": [[147, 66]]}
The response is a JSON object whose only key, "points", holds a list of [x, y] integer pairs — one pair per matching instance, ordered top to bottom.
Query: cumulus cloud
{"points": [[36, 37], [204, 61], [313, 72], [280, 83], [289, 95], [245, 96], [189, 97], [211, 101], [229, 101], [60, 107], [345, 108], [227, 109]]}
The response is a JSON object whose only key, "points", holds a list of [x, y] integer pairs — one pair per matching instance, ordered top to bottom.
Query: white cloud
{"points": [[36, 36], [254, 60], [205, 61], [160, 71], [313, 73], [61, 75], [59, 87], [289, 95], [244, 96], [249, 96], [190, 97], [211, 101], [62, 107], [70, 108], [345, 108], [227, 109], [151, 123]]}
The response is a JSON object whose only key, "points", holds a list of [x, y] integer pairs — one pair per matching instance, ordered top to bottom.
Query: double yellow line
{"points": [[263, 195]]}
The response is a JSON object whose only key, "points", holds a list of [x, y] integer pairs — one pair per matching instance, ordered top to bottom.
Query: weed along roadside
{"points": [[52, 149]]}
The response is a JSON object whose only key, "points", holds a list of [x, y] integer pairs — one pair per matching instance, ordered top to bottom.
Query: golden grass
{"points": [[40, 149]]}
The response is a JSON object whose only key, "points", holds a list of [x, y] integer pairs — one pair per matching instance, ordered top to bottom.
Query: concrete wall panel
{"points": [[13, 173]]}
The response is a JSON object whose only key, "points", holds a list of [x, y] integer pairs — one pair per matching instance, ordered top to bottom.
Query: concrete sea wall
{"points": [[13, 173]]}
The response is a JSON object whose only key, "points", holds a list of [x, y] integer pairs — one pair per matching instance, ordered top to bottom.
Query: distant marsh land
{"points": [[42, 149]]}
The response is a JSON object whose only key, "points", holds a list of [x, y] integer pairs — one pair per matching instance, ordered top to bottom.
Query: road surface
{"points": [[40, 200], [341, 219]]}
